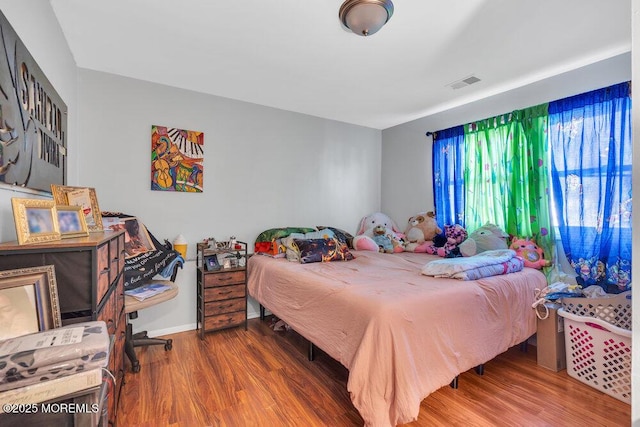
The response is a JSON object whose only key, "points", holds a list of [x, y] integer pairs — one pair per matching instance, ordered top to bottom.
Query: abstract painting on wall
{"points": [[176, 159]]}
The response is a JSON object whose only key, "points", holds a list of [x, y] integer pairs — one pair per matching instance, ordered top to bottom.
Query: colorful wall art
{"points": [[176, 159]]}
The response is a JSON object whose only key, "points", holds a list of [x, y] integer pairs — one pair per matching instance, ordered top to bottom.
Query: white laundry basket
{"points": [[598, 342]]}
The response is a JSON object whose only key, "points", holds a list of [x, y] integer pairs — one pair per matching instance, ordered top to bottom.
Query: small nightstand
{"points": [[221, 292]]}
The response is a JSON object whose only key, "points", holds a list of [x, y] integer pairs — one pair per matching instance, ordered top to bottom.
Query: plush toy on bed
{"points": [[421, 230], [454, 235], [364, 237], [485, 238], [382, 240], [532, 254]]}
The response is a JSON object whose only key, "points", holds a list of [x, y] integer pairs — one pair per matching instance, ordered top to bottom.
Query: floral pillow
{"points": [[343, 236], [266, 241], [322, 250], [292, 251]]}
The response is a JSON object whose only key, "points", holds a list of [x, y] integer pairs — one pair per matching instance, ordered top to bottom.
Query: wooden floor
{"points": [[263, 378]]}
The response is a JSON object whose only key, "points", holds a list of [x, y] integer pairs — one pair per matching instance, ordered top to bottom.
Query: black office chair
{"points": [[139, 270], [131, 307]]}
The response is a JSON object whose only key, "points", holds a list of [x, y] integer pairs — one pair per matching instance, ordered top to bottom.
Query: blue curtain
{"points": [[590, 138], [448, 175]]}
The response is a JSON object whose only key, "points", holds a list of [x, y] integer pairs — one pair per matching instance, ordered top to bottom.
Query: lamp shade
{"points": [[365, 17]]}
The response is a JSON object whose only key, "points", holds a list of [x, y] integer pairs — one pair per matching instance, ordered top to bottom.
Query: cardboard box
{"points": [[550, 340]]}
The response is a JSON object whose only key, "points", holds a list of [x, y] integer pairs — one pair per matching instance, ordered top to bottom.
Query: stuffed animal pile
{"points": [[421, 230], [377, 232], [364, 239]]}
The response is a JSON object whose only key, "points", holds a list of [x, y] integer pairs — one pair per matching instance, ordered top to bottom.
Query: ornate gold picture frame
{"points": [[84, 197], [36, 220], [71, 222], [28, 301]]}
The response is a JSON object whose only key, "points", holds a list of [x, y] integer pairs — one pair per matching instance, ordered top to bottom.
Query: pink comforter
{"points": [[401, 335]]}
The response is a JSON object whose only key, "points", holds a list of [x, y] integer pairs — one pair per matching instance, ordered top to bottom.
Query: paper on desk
{"points": [[147, 291], [52, 338]]}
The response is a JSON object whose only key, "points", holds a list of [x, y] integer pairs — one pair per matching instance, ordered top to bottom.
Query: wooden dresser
{"points": [[90, 282]]}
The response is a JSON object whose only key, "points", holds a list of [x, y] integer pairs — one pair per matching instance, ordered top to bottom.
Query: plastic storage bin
{"points": [[598, 342]]}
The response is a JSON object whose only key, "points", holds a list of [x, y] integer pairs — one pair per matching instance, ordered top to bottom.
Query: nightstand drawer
{"points": [[224, 278], [224, 292], [225, 306], [224, 320]]}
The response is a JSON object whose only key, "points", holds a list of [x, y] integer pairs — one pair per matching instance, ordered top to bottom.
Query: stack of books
{"points": [[47, 365]]}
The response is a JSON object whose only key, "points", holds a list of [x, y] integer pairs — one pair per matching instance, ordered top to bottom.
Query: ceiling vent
{"points": [[459, 84]]}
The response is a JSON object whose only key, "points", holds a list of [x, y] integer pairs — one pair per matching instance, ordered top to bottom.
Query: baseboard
{"points": [[188, 327], [173, 330]]}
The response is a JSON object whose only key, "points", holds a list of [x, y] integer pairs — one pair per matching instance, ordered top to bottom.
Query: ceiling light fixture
{"points": [[365, 17]]}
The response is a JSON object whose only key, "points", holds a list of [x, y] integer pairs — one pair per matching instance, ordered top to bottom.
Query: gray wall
{"points": [[37, 27], [262, 164], [263, 168], [407, 186]]}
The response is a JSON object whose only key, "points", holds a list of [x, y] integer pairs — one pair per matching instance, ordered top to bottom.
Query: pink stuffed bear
{"points": [[363, 241], [528, 250]]}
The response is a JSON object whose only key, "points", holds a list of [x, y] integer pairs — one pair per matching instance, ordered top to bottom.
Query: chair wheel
{"points": [[169, 345], [135, 367]]}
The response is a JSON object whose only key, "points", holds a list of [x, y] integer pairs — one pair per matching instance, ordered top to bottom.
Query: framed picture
{"points": [[84, 197], [36, 220], [71, 222], [112, 223], [136, 238], [227, 260], [211, 263], [28, 301]]}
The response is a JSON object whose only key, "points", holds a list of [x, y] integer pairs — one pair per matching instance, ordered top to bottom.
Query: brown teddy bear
{"points": [[421, 229], [382, 239]]}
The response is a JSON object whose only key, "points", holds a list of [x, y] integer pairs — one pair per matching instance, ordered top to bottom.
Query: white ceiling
{"points": [[295, 55]]}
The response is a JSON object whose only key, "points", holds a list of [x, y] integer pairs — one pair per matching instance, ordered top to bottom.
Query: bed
{"points": [[401, 334]]}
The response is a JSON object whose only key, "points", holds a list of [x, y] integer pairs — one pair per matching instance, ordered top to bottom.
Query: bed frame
{"points": [[454, 383]]}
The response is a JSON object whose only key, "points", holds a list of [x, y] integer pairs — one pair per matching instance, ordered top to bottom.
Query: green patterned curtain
{"points": [[506, 175]]}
